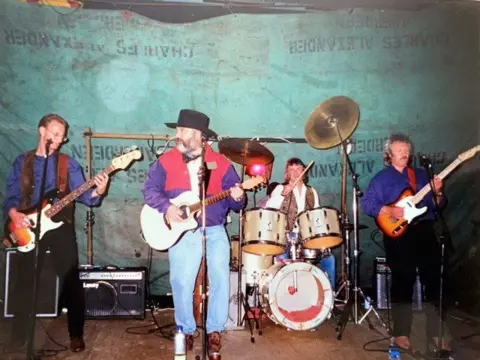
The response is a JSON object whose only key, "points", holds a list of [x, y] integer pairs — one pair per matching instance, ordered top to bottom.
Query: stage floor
{"points": [[112, 339]]}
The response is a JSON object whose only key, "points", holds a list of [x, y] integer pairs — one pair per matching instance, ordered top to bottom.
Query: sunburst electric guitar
{"points": [[395, 227], [161, 233], [24, 238]]}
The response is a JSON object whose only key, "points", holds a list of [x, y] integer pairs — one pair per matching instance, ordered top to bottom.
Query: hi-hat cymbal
{"points": [[337, 114], [245, 151]]}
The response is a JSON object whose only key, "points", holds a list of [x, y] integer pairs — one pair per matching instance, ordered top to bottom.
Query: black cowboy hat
{"points": [[194, 120]]}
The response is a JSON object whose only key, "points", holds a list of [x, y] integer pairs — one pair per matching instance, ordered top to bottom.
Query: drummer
{"points": [[292, 197], [263, 201]]}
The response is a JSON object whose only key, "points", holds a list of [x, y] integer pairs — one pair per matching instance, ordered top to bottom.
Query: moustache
{"points": [[179, 141]]}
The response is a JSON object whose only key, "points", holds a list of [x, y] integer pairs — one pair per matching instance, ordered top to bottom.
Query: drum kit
{"points": [[295, 293]]}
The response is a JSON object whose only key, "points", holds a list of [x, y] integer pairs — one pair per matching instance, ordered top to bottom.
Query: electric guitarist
{"points": [[174, 173], [23, 191], [417, 246]]}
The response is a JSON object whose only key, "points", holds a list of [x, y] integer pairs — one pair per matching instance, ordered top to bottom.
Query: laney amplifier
{"points": [[383, 284], [48, 285], [118, 293]]}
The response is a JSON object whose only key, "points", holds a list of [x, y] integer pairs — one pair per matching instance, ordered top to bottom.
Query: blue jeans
{"points": [[185, 258], [326, 264]]}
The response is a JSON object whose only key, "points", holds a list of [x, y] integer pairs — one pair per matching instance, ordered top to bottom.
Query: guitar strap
{"points": [[62, 175], [413, 179], [62, 186]]}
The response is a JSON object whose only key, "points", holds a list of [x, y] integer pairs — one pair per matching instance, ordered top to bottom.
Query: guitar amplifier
{"points": [[383, 278], [48, 285], [118, 293]]}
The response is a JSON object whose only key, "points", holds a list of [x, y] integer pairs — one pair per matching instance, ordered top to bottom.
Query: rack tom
{"points": [[320, 228], [264, 231]]}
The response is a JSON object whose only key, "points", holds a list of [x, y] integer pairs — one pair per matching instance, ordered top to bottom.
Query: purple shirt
{"points": [[388, 184], [14, 195]]}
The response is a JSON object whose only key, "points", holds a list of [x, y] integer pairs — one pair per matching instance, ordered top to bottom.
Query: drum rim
{"points": [[264, 208], [318, 208], [322, 235], [262, 242], [328, 295]]}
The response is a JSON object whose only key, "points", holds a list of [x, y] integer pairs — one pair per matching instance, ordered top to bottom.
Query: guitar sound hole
{"points": [[184, 212]]}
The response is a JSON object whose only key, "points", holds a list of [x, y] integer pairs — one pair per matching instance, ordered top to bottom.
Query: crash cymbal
{"points": [[337, 114], [244, 151], [349, 227]]}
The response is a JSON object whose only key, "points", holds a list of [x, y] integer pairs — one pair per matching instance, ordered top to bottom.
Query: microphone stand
{"points": [[203, 191], [444, 238], [33, 309]]}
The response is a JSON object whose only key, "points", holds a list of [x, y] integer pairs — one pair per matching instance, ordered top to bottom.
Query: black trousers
{"points": [[417, 248], [64, 252]]}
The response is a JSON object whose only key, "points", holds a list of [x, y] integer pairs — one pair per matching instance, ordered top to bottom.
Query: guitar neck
{"points": [[427, 188], [211, 200], [57, 207]]}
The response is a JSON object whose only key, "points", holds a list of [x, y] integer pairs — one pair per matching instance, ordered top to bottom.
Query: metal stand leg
{"points": [[346, 283], [369, 310], [252, 312]]}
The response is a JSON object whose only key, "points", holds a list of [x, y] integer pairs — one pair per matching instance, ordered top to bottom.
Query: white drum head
{"points": [[300, 302]]}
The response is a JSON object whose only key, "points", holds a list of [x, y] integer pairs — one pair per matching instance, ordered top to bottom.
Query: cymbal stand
{"points": [[346, 265], [240, 294], [351, 308]]}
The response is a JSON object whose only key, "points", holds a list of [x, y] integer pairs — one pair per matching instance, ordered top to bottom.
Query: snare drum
{"points": [[320, 228], [264, 231], [310, 254], [298, 296]]}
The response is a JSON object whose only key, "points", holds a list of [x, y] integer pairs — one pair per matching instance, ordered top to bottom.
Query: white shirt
{"points": [[193, 167], [276, 199]]}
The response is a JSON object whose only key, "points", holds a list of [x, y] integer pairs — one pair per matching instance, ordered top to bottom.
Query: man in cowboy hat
{"points": [[174, 173]]}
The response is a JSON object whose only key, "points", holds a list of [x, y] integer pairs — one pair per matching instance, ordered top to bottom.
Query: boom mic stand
{"points": [[203, 191], [444, 239], [33, 309]]}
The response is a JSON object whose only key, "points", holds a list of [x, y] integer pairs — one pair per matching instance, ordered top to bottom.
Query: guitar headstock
{"points": [[469, 153], [123, 161], [253, 182]]}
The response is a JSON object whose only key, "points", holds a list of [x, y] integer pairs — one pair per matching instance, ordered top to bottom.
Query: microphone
{"points": [[48, 143], [425, 161]]}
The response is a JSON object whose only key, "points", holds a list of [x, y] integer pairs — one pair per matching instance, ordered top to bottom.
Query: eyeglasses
{"points": [[57, 135]]}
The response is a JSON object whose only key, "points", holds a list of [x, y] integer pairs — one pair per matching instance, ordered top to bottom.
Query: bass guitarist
{"points": [[173, 174], [23, 192], [417, 247]]}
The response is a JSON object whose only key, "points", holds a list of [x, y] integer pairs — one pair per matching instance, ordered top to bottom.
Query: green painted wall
{"points": [[255, 76]]}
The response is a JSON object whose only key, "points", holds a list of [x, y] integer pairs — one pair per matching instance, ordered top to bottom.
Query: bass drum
{"points": [[298, 296]]}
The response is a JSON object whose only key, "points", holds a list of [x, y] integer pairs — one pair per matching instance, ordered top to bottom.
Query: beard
{"points": [[185, 146]]}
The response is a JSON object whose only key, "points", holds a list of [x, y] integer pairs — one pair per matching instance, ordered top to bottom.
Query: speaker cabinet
{"points": [[383, 283], [48, 286], [119, 293]]}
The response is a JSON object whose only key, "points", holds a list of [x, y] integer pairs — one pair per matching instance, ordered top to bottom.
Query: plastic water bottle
{"points": [[367, 303], [180, 344], [394, 353]]}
